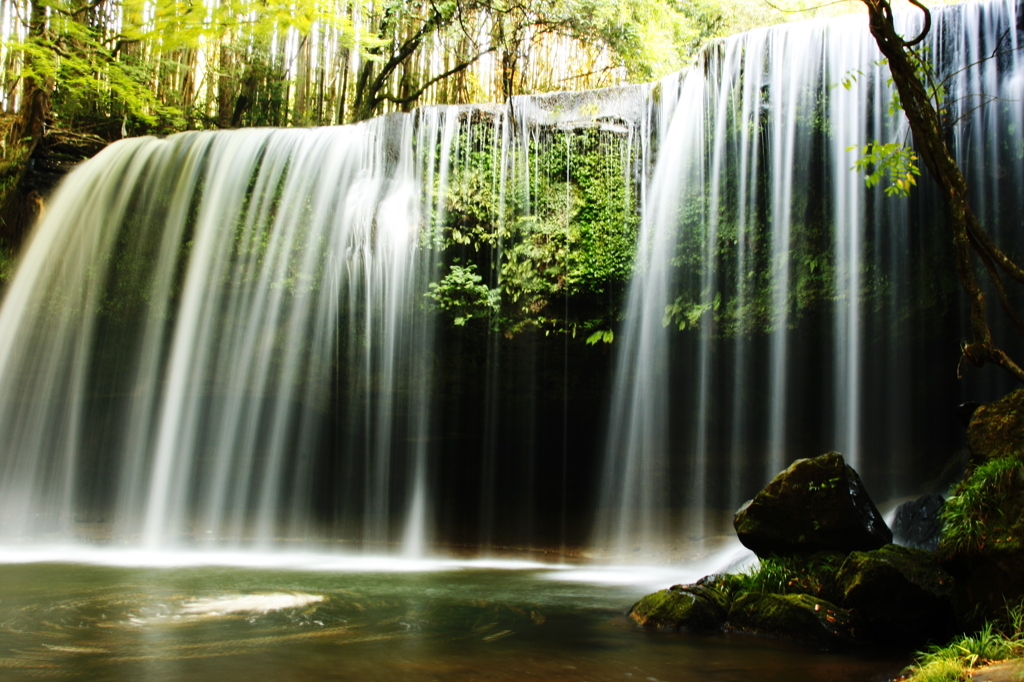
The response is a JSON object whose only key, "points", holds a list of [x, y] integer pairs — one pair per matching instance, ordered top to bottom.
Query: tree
{"points": [[918, 93]]}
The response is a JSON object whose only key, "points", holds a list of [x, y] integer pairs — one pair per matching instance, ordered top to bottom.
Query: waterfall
{"points": [[754, 212], [250, 271], [593, 320]]}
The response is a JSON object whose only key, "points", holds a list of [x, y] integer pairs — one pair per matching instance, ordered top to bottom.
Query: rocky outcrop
{"points": [[996, 429], [814, 505], [918, 523], [828, 576], [900, 595]]}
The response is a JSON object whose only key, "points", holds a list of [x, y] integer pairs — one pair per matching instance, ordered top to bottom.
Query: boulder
{"points": [[997, 429], [814, 505], [918, 523], [899, 595], [689, 608], [797, 617]]}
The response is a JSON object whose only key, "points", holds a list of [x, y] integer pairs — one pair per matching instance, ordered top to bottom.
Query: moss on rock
{"points": [[996, 429], [815, 504], [900, 595], [690, 608], [798, 617]]}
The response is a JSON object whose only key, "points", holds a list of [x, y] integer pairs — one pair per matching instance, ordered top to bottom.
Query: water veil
{"points": [[780, 306], [184, 313], [390, 336]]}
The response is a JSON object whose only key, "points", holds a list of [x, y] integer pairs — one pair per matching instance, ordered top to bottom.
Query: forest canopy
{"points": [[123, 67]]}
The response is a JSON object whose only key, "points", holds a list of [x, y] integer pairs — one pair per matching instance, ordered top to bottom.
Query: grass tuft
{"points": [[995, 641]]}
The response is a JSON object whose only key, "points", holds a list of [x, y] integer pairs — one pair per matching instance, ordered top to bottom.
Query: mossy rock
{"points": [[996, 429], [814, 505], [983, 541], [900, 595], [689, 608], [797, 617]]}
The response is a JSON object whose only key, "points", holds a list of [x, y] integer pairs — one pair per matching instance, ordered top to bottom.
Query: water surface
{"points": [[369, 620]]}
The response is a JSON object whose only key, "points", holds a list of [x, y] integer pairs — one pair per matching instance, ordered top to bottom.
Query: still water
{"points": [[116, 616]]}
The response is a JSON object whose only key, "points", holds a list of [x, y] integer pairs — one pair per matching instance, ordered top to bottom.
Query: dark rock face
{"points": [[997, 429], [816, 504], [918, 523], [899, 595], [689, 608], [799, 617]]}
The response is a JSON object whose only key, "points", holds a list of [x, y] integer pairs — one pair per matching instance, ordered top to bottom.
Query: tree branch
{"points": [[450, 72], [930, 141]]}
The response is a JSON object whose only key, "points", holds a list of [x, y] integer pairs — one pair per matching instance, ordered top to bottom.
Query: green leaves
{"points": [[893, 161], [463, 294], [683, 313]]}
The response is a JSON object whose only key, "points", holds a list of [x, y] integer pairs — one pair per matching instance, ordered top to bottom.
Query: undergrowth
{"points": [[977, 513], [807, 574], [995, 641]]}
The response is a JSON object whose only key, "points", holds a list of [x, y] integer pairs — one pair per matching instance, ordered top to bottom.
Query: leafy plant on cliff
{"points": [[556, 244], [463, 294], [985, 509]]}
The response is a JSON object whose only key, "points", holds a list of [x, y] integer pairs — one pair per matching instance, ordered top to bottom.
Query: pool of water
{"points": [[138, 616]]}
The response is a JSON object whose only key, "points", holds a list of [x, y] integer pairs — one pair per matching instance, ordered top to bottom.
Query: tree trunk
{"points": [[930, 142]]}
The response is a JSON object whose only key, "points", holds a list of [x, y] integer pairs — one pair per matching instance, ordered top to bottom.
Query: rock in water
{"points": [[816, 504], [918, 523], [900, 595], [690, 608], [798, 617]]}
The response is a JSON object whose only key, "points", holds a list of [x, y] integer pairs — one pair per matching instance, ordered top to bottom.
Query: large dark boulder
{"points": [[816, 504], [918, 523], [899, 595], [689, 608], [797, 617]]}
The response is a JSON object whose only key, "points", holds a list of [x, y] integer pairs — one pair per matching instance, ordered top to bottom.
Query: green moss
{"points": [[997, 429], [692, 608], [795, 616]]}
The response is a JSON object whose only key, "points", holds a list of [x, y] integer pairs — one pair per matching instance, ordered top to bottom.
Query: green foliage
{"points": [[894, 161], [557, 243], [8, 262], [463, 294], [681, 313], [985, 509], [812, 574], [954, 662]]}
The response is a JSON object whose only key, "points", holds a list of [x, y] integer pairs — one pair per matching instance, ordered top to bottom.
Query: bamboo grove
{"points": [[122, 67]]}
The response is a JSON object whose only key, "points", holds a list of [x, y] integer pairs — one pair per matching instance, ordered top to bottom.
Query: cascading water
{"points": [[753, 212], [229, 338], [196, 406]]}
